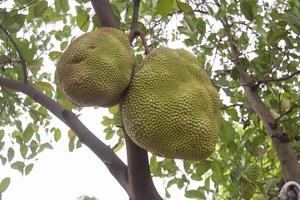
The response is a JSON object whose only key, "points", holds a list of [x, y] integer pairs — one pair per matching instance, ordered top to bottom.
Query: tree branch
{"points": [[105, 14], [135, 19], [133, 28], [144, 42], [22, 60], [278, 79], [232, 105], [285, 113], [286, 155], [117, 168], [139, 177]]}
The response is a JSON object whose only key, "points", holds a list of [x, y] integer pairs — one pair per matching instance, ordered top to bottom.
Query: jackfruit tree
{"points": [[241, 56]]}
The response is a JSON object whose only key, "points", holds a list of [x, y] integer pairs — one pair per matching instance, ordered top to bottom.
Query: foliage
{"points": [[266, 34]]}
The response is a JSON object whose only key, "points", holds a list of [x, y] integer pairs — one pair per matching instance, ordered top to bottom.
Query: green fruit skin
{"points": [[96, 68], [171, 107]]}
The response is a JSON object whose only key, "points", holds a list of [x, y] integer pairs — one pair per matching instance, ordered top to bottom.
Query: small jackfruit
{"points": [[96, 68], [171, 107]]}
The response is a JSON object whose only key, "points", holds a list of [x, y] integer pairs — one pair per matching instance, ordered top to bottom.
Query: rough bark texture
{"points": [[104, 12], [139, 177]]}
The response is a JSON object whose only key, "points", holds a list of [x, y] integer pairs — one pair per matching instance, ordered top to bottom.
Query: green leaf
{"points": [[62, 5], [164, 7], [185, 7], [39, 8], [248, 9], [83, 18], [96, 21], [274, 36], [63, 45], [28, 50], [54, 55], [35, 64], [44, 86], [114, 109], [233, 114], [106, 121], [227, 132], [2, 133], [28, 133], [109, 133], [57, 135], [72, 136], [2, 145], [33, 146], [118, 146], [23, 150], [10, 154], [3, 160], [18, 165], [154, 166], [170, 166], [202, 167], [28, 169], [218, 171], [172, 182], [4, 184], [195, 194]]}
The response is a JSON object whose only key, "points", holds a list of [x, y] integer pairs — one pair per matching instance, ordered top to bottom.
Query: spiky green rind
{"points": [[96, 68], [171, 107]]}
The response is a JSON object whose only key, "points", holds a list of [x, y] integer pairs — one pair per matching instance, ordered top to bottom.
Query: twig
{"points": [[29, 4], [135, 18], [144, 42], [22, 60], [279, 79], [233, 105], [283, 114], [14, 115]]}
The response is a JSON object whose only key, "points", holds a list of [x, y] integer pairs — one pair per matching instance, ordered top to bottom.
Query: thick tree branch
{"points": [[105, 14], [20, 54], [286, 155], [117, 168], [139, 177]]}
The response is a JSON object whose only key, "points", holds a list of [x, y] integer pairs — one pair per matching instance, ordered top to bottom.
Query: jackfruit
{"points": [[96, 68], [171, 107]]}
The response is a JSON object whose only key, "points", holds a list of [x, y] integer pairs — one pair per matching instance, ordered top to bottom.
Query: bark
{"points": [[104, 12], [139, 177]]}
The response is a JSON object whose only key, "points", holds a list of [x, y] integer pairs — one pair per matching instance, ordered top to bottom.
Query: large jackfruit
{"points": [[96, 68], [171, 107]]}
